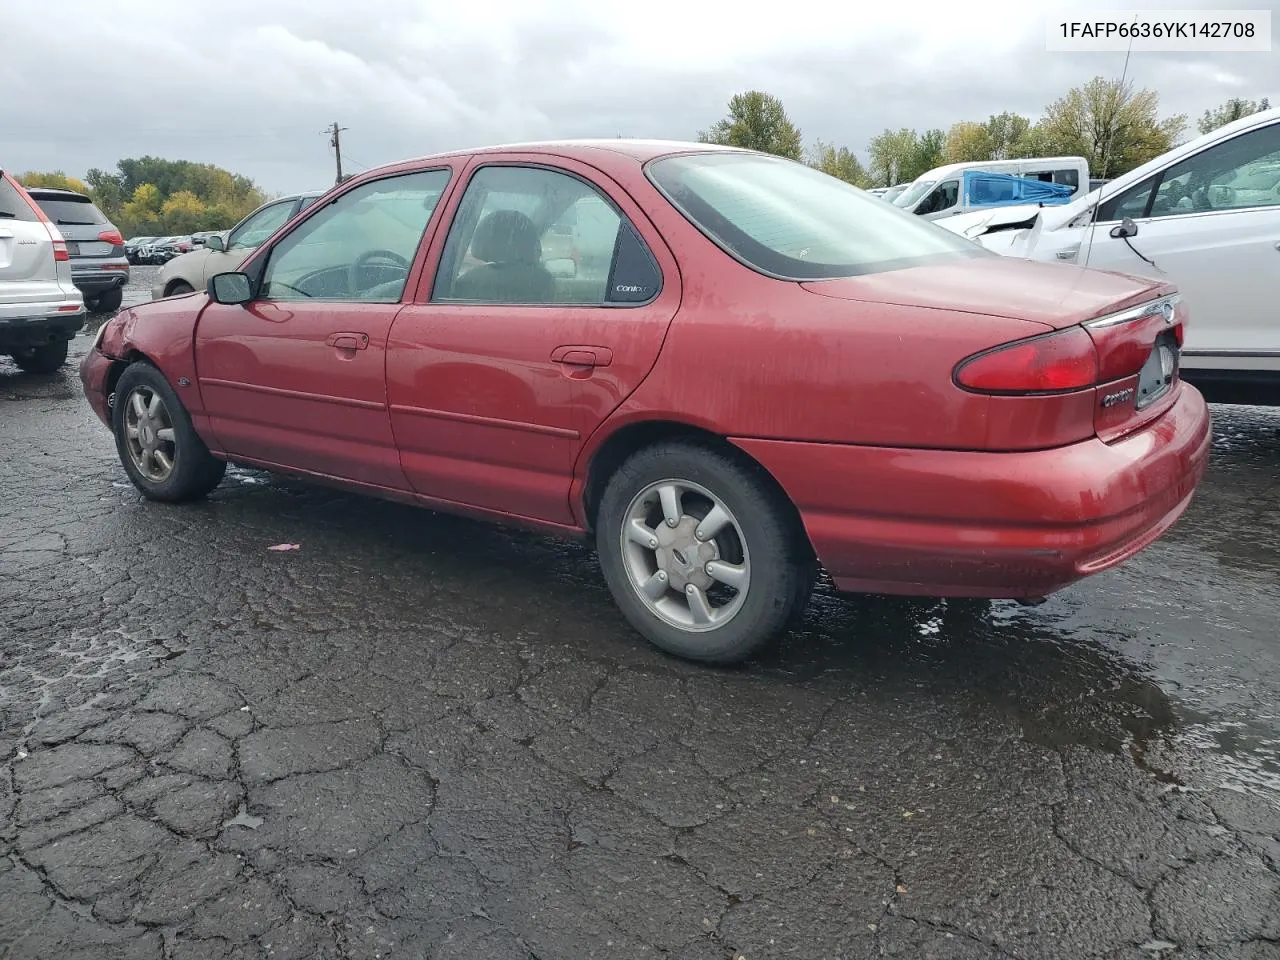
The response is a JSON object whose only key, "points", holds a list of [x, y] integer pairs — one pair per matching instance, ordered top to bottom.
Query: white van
{"points": [[938, 193]]}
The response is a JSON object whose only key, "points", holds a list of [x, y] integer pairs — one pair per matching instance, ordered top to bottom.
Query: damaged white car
{"points": [[1205, 215]]}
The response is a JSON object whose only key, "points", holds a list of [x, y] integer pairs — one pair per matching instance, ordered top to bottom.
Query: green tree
{"points": [[1232, 110], [756, 121], [1110, 125], [1007, 132], [968, 141], [930, 152], [892, 156], [838, 162], [53, 180], [222, 197], [182, 212], [142, 213]]}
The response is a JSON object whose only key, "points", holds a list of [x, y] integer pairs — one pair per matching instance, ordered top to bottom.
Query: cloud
{"points": [[250, 84]]}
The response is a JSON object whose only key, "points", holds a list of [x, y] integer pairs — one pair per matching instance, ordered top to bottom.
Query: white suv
{"points": [[1205, 215], [40, 307]]}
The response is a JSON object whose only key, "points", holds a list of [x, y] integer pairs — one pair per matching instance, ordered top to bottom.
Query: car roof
{"points": [[636, 148], [56, 193]]}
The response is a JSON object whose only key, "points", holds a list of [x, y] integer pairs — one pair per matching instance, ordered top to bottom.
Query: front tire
{"points": [[179, 288], [46, 358], [160, 450], [700, 553]]}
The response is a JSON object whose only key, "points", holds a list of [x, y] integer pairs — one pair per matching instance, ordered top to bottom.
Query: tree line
{"points": [[1108, 122], [148, 196]]}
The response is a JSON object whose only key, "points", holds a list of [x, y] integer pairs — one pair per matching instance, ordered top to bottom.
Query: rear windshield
{"points": [[12, 204], [70, 211], [788, 220]]}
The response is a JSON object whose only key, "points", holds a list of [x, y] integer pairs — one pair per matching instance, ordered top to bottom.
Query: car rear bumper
{"points": [[99, 277], [35, 324], [977, 524]]}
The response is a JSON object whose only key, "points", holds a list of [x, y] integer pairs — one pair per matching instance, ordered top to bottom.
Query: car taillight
{"points": [[113, 237], [60, 251], [1057, 362]]}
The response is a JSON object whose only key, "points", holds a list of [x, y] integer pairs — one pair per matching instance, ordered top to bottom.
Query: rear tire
{"points": [[108, 301], [43, 359], [159, 448], [661, 575]]}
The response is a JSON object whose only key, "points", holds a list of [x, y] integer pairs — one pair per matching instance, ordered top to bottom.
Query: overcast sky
{"points": [[248, 84]]}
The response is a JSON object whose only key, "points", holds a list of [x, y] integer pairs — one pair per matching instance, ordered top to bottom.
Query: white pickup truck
{"points": [[1205, 215]]}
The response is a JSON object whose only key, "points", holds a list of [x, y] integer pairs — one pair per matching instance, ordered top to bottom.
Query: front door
{"points": [[1211, 225], [549, 306], [296, 378]]}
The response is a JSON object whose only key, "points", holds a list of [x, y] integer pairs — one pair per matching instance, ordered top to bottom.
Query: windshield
{"points": [[909, 197], [788, 220]]}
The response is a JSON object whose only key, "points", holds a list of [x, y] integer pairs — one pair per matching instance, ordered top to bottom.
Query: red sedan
{"points": [[750, 368]]}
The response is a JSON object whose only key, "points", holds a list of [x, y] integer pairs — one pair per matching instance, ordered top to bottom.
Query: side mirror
{"points": [[1125, 229], [215, 242], [232, 289]]}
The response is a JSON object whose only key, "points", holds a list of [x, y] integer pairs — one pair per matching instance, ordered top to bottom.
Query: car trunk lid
{"points": [[1054, 294]]}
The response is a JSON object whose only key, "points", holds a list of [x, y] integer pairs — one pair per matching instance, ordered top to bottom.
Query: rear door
{"points": [[1210, 224], [28, 273], [551, 298]]}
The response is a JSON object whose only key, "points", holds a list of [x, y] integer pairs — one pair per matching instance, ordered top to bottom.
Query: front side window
{"points": [[1242, 172], [1237, 174], [909, 197], [943, 197], [1131, 203], [786, 220], [250, 234], [529, 235], [360, 246]]}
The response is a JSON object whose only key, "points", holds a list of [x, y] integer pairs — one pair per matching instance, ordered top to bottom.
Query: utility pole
{"points": [[336, 142]]}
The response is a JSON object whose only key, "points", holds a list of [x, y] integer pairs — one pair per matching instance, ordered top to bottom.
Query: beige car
{"points": [[224, 252]]}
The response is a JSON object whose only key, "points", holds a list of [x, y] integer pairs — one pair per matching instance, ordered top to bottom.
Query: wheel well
{"points": [[176, 282], [118, 367], [618, 447]]}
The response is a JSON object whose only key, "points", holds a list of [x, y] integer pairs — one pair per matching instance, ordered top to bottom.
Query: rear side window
{"points": [[13, 206], [69, 210], [787, 220]]}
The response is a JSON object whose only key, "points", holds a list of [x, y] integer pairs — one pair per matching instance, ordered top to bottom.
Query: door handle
{"points": [[1278, 245], [348, 341], [582, 356]]}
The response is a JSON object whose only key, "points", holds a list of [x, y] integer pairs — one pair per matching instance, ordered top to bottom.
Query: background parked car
{"points": [[134, 246], [223, 252], [99, 266], [40, 307]]}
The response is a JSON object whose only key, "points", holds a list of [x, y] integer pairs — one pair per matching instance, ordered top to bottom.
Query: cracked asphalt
{"points": [[419, 736]]}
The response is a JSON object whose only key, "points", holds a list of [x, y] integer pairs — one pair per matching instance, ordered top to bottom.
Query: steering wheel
{"points": [[390, 257]]}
